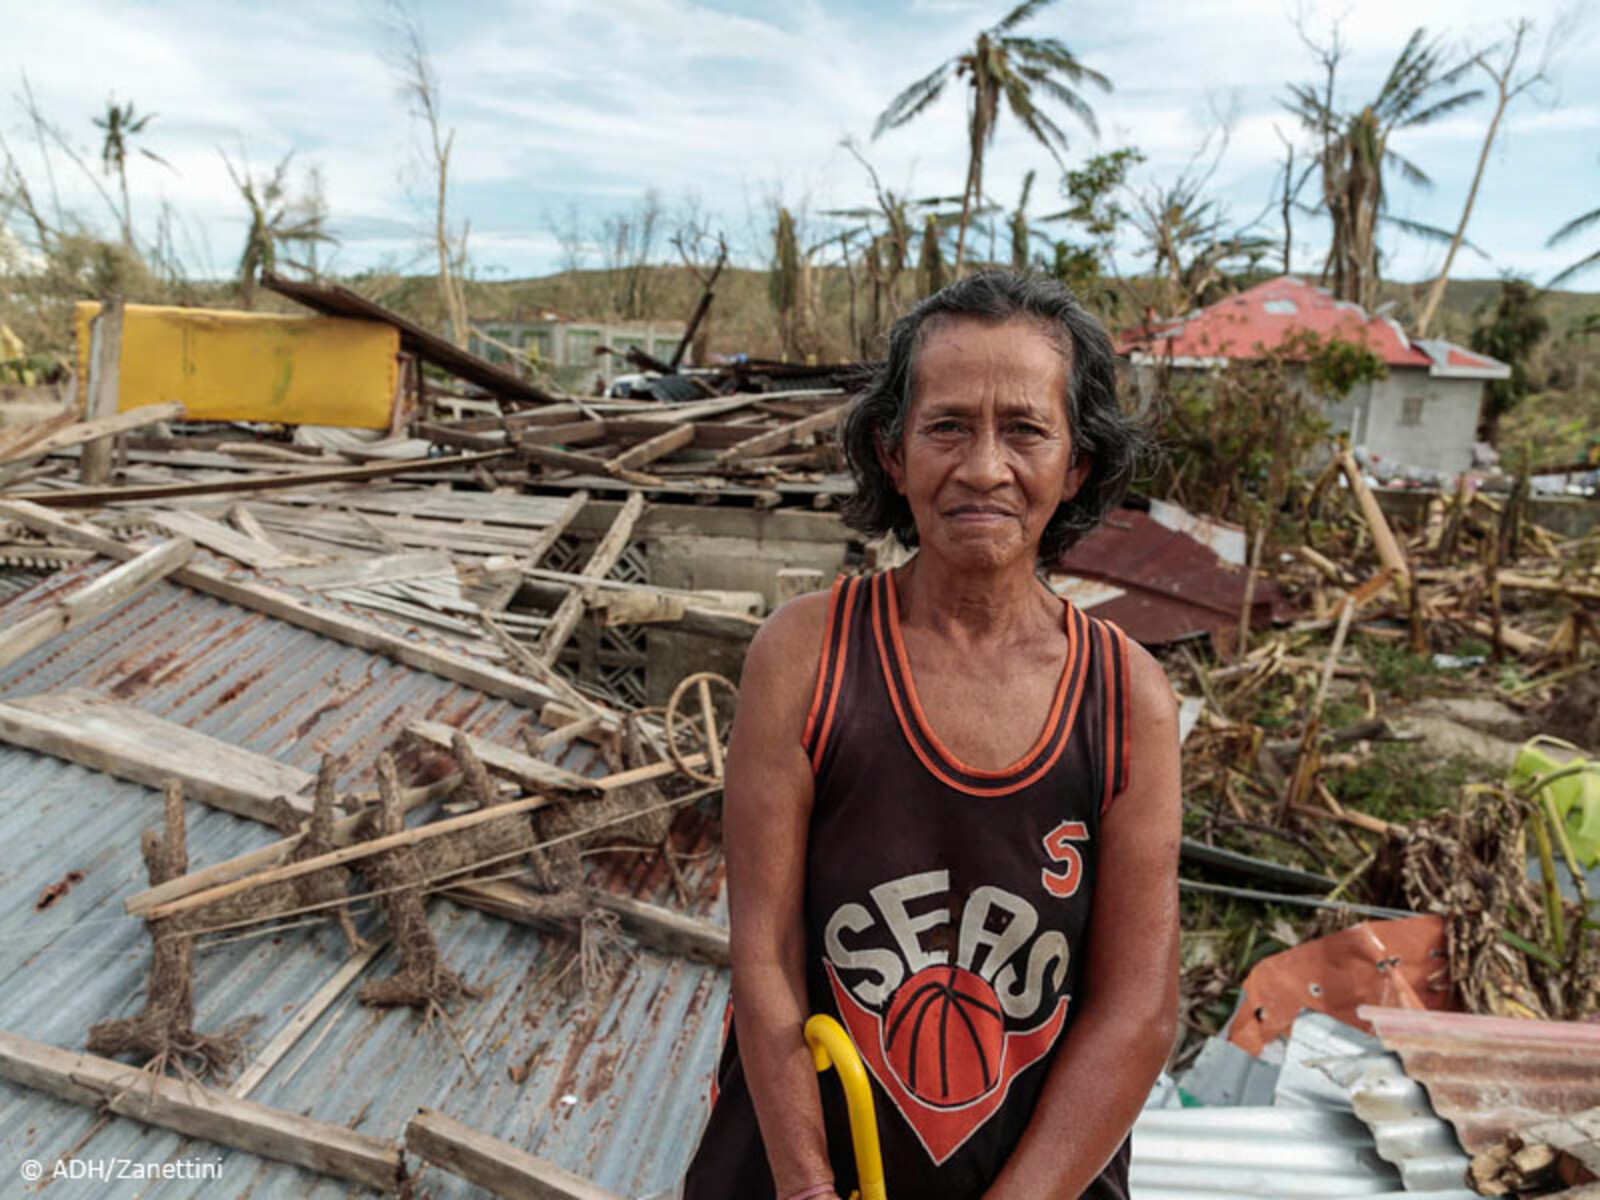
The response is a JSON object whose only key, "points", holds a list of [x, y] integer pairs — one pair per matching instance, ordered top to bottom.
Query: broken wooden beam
{"points": [[88, 431], [784, 435], [672, 437], [583, 464], [95, 497], [1383, 540], [253, 551], [606, 553], [365, 572], [94, 599], [129, 743], [534, 773], [343, 855], [649, 924], [201, 1112], [493, 1165]]}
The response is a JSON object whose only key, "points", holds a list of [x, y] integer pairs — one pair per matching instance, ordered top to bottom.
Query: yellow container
{"points": [[243, 366], [1574, 789]]}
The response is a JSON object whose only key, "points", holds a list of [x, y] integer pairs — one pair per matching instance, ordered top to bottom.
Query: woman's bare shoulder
{"points": [[786, 652]]}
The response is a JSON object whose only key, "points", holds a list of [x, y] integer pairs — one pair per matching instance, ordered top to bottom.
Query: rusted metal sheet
{"points": [[332, 300], [1172, 581], [1489, 1076], [611, 1084]]}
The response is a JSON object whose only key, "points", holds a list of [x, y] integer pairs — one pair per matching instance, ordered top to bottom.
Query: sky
{"points": [[565, 112]]}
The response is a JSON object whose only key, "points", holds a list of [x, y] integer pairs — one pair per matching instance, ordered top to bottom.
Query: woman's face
{"points": [[987, 455]]}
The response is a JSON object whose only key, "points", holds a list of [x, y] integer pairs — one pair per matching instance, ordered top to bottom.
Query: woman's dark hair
{"points": [[1098, 425]]}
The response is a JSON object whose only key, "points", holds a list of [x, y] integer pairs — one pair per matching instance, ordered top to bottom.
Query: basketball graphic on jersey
{"points": [[946, 1036]]}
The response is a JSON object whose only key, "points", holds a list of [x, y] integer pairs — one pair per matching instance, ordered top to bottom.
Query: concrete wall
{"points": [[1417, 420], [726, 549]]}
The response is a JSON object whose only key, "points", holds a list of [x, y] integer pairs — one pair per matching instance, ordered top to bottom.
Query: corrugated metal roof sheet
{"points": [[1170, 581], [635, 1061], [1489, 1076], [1404, 1126], [1231, 1153]]}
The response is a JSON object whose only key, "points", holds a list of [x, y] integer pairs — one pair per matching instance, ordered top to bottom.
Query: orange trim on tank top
{"points": [[1103, 631], [822, 667], [838, 673], [1125, 706], [927, 727], [933, 768]]}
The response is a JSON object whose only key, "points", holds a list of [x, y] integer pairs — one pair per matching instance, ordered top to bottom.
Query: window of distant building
{"points": [[497, 340], [539, 343], [581, 345], [1411, 410]]}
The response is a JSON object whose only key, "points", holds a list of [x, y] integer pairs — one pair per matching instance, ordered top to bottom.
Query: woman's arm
{"points": [[766, 816], [1124, 1029]]}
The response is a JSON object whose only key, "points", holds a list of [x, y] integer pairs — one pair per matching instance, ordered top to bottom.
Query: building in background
{"points": [[567, 351], [1422, 416]]}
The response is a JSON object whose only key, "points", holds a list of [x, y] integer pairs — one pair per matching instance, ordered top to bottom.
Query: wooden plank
{"points": [[104, 390], [101, 427], [572, 433], [708, 435], [674, 437], [777, 439], [14, 441], [566, 460], [94, 497], [550, 534], [214, 535], [605, 556], [364, 572], [94, 599], [723, 615], [446, 664], [129, 743], [534, 774], [344, 832], [345, 854], [649, 924], [284, 1040], [201, 1112], [493, 1165]]}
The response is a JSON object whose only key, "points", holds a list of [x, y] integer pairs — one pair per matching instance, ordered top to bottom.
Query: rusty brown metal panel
{"points": [[1489, 1076]]}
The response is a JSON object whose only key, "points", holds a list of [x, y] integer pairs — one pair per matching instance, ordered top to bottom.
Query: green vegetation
{"points": [[1393, 785]]}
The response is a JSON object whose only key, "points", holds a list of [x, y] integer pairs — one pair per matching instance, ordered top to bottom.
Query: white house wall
{"points": [[1375, 416], [1418, 420]]}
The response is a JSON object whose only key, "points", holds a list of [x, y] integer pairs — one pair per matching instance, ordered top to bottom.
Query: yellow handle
{"points": [[831, 1047]]}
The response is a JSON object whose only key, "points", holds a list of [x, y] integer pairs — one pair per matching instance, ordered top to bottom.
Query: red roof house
{"points": [[1424, 415]]}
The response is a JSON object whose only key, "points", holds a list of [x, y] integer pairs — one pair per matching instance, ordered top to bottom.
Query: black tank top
{"points": [[947, 911]]}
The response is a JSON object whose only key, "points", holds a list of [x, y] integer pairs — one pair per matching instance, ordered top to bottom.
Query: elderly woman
{"points": [[952, 803]]}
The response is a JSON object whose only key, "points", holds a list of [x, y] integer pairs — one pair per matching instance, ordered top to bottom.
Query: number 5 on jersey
{"points": [[1058, 845]]}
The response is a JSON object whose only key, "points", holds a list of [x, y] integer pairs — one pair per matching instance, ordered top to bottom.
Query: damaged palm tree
{"points": [[400, 876], [332, 885], [164, 1034]]}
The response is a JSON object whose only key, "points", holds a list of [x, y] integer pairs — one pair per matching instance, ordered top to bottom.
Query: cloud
{"points": [[558, 102]]}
